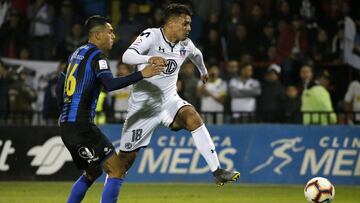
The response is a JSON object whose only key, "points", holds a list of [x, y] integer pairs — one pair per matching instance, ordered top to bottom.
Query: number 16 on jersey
{"points": [[70, 83]]}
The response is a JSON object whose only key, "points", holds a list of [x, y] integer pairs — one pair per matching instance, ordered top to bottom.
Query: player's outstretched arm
{"points": [[132, 57], [198, 60], [110, 83]]}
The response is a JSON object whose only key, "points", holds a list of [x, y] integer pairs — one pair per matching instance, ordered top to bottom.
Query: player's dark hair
{"points": [[176, 9], [94, 21]]}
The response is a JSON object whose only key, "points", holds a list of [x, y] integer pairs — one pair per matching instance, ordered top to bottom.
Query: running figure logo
{"points": [[280, 148]]}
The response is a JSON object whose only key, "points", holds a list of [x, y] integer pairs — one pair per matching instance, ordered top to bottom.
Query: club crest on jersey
{"points": [[182, 52], [171, 66]]}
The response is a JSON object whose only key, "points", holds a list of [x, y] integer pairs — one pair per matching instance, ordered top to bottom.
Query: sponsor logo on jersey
{"points": [[103, 65], [171, 66], [86, 153]]}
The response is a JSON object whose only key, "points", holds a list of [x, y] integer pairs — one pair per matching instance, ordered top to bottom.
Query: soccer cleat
{"points": [[222, 176]]}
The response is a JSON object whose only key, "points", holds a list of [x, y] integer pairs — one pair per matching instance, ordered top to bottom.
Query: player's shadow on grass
{"points": [[151, 107]]}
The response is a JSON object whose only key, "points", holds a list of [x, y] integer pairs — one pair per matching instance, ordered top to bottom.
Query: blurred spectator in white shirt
{"points": [[41, 16], [231, 71], [243, 91], [212, 95], [120, 97], [352, 98]]}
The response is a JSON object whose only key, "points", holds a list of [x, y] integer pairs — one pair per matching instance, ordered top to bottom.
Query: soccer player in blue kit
{"points": [[78, 90]]}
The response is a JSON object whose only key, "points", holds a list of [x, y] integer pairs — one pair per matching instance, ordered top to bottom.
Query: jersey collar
{"points": [[167, 41]]}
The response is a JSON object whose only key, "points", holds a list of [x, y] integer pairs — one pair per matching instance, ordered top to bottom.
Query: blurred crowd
{"points": [[267, 30], [268, 60]]}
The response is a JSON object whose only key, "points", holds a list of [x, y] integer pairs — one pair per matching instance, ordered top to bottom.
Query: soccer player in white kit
{"points": [[154, 101]]}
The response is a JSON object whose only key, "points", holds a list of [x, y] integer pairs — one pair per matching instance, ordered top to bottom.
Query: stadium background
{"points": [[277, 142]]}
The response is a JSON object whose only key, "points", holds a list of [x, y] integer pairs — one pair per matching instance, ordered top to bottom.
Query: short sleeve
{"points": [[144, 41], [101, 65]]}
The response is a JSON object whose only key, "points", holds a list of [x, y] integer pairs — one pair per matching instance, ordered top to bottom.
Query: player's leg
{"points": [[188, 118], [135, 136], [78, 140], [126, 161], [114, 180], [83, 183]]}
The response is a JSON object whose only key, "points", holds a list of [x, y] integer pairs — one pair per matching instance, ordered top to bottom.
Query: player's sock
{"points": [[206, 147], [79, 189], [111, 190]]}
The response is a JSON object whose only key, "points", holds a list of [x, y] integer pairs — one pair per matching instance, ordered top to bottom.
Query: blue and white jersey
{"points": [[82, 86]]}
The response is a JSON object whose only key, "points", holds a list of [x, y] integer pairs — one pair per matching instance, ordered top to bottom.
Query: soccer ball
{"points": [[318, 190]]}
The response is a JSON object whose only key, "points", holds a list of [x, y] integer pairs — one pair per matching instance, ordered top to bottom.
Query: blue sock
{"points": [[79, 189], [111, 190]]}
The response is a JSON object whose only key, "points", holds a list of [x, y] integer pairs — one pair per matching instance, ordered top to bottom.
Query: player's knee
{"points": [[193, 120], [126, 160], [112, 166], [115, 170], [93, 173], [116, 173]]}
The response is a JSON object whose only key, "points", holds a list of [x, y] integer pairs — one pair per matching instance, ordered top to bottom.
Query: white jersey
{"points": [[152, 42], [217, 88], [352, 96], [241, 101]]}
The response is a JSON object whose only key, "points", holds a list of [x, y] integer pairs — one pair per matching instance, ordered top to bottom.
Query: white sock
{"points": [[206, 147]]}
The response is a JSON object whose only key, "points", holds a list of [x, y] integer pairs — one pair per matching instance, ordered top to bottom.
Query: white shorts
{"points": [[141, 122]]}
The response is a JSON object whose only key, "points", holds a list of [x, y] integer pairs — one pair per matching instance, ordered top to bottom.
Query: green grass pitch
{"points": [[53, 192]]}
